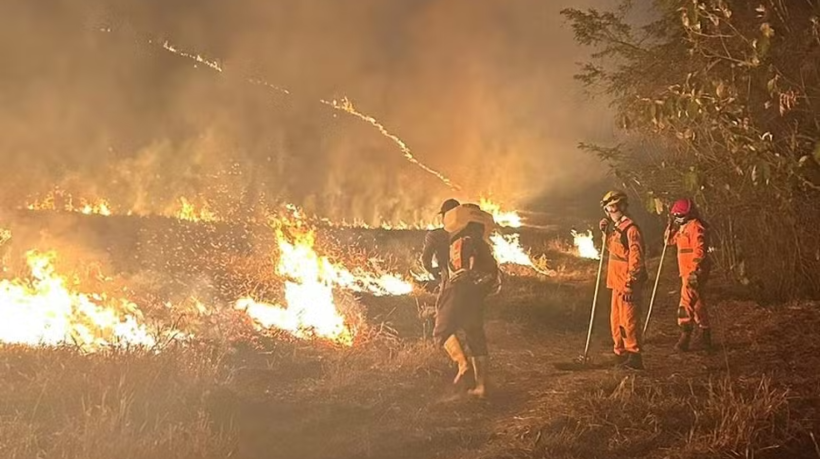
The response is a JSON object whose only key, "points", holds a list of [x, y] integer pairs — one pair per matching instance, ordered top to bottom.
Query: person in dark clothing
{"points": [[437, 247], [473, 275]]}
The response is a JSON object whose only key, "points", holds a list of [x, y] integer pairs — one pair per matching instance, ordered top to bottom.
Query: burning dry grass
{"points": [[245, 392], [272, 395]]}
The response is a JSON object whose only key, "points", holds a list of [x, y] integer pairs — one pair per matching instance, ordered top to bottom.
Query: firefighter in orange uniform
{"points": [[689, 233], [625, 276]]}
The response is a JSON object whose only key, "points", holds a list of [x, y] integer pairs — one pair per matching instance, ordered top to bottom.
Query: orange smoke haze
{"points": [[92, 101]]}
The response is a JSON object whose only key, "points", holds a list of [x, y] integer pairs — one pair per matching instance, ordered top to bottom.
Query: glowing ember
{"points": [[196, 57], [343, 105], [346, 106], [190, 213], [508, 219], [359, 223], [400, 225], [585, 245], [43, 311]]}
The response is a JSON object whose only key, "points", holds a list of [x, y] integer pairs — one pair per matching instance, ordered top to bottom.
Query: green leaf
{"points": [[763, 46], [772, 85], [692, 108], [766, 172], [691, 181], [653, 205], [658, 206]]}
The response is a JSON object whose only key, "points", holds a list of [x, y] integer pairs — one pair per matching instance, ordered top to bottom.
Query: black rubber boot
{"points": [[685, 337], [706, 340], [619, 359], [634, 361]]}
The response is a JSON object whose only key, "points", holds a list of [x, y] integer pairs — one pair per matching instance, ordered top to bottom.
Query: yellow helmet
{"points": [[614, 197]]}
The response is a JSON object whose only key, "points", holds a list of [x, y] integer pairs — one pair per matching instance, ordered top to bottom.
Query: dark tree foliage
{"points": [[720, 100]]}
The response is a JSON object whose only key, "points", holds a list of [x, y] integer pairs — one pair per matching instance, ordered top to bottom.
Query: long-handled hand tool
{"points": [[655, 288], [584, 359]]}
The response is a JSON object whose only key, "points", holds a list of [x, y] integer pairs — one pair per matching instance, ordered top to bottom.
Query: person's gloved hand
{"points": [[603, 224], [628, 296]]}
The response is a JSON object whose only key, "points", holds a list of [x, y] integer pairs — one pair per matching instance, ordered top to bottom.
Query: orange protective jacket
{"points": [[691, 241], [626, 267]]}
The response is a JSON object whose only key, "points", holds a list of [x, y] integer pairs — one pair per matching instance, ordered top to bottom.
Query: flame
{"points": [[60, 200], [100, 208], [190, 213], [509, 219], [5, 236], [586, 245], [507, 250], [422, 276], [44, 311], [310, 311]]}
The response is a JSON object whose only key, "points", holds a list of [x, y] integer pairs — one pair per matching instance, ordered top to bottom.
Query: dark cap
{"points": [[448, 205]]}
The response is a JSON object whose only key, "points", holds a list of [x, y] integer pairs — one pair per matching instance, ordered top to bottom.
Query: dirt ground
{"points": [[405, 407]]}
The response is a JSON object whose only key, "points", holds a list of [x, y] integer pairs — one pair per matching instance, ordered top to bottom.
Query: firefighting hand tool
{"points": [[655, 288], [585, 358], [584, 361]]}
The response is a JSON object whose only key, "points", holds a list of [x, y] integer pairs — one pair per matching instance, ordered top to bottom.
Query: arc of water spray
{"points": [[344, 105]]}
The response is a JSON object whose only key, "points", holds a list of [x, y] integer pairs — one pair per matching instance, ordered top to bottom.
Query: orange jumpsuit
{"points": [[691, 241], [626, 273]]}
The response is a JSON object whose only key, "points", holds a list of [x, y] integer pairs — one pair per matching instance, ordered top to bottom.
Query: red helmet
{"points": [[682, 208]]}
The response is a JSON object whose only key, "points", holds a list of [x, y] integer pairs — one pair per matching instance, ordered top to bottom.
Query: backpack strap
{"points": [[622, 234]]}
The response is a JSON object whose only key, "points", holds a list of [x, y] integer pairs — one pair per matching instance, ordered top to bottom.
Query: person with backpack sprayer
{"points": [[689, 233], [437, 247], [473, 275], [625, 276]]}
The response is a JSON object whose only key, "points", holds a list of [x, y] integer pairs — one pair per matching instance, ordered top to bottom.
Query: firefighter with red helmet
{"points": [[688, 232], [625, 276]]}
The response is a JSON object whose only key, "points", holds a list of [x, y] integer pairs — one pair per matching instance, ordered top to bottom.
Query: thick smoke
{"points": [[481, 91]]}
